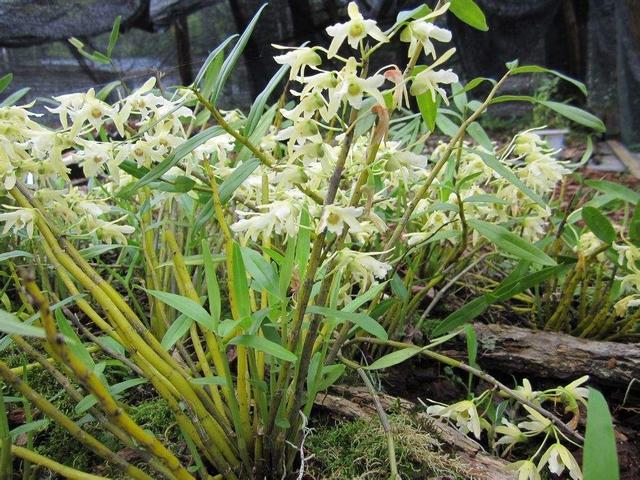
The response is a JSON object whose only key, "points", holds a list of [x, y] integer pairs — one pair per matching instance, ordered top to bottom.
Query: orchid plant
{"points": [[252, 252]]}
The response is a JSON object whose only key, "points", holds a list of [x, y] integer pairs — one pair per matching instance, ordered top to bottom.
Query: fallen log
{"points": [[553, 355], [355, 402]]}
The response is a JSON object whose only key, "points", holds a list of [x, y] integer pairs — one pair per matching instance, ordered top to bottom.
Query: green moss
{"points": [[358, 449]]}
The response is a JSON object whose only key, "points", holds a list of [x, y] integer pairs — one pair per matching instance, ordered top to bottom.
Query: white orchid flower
{"points": [[355, 30], [420, 32], [297, 59], [430, 80], [18, 219], [334, 219], [464, 413], [557, 458], [526, 469]]}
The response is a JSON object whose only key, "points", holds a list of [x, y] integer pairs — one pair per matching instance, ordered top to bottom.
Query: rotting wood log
{"points": [[554, 355], [356, 402]]}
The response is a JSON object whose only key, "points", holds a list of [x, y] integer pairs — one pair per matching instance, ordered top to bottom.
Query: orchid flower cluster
{"points": [[145, 127], [519, 425]]}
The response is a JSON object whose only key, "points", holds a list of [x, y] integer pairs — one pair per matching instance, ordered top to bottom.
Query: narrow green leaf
{"points": [[418, 12], [470, 13], [113, 37], [234, 55], [208, 67], [538, 69], [5, 81], [14, 97], [426, 104], [257, 108], [575, 114], [446, 126], [479, 135], [180, 152], [492, 162], [239, 175], [616, 190], [599, 224], [634, 226], [510, 242], [303, 245], [14, 254], [262, 272], [240, 285], [510, 286], [398, 288], [213, 289], [185, 306], [361, 320], [11, 325], [176, 331], [472, 344], [76, 346], [267, 346], [394, 358], [331, 374], [221, 381], [89, 401], [35, 426], [600, 458], [6, 465]]}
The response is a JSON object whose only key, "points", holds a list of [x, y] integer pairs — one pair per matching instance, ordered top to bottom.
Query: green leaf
{"points": [[418, 12], [470, 13], [113, 37], [234, 55], [210, 68], [538, 69], [5, 81], [105, 91], [14, 97], [459, 97], [427, 105], [257, 108], [576, 114], [446, 126], [479, 135], [180, 152], [505, 172], [239, 175], [616, 190], [599, 224], [634, 226], [510, 242], [303, 245], [15, 254], [286, 267], [262, 272], [240, 285], [509, 287], [398, 288], [213, 289], [363, 298], [185, 306], [361, 320], [11, 325], [176, 330], [472, 344], [76, 346], [267, 346], [394, 358], [331, 374], [221, 381], [89, 401], [35, 426], [600, 458]]}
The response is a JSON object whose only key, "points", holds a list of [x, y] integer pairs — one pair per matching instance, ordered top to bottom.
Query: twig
{"points": [[385, 424], [563, 427]]}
